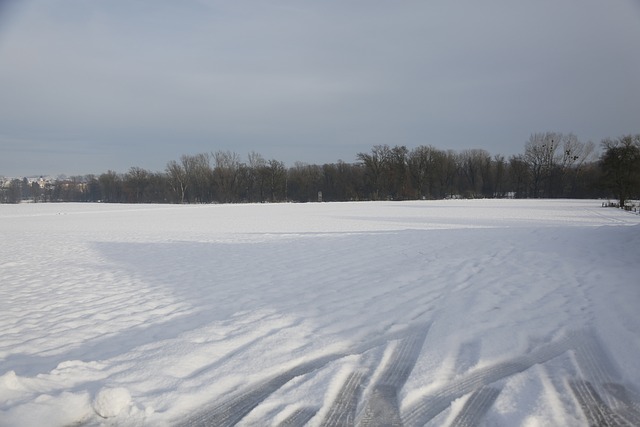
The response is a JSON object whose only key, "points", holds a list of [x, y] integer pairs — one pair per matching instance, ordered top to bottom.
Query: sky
{"points": [[91, 86]]}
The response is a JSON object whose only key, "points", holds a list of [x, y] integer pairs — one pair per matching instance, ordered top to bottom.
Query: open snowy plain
{"points": [[484, 312]]}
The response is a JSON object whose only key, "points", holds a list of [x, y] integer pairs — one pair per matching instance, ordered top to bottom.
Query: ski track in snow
{"points": [[367, 314]]}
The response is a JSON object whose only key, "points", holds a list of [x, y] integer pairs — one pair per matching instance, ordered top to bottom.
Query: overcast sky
{"points": [[88, 86]]}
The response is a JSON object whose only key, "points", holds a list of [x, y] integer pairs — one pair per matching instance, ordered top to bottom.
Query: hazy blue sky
{"points": [[87, 86]]}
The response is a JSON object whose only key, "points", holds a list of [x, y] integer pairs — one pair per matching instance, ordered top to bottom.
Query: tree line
{"points": [[553, 165]]}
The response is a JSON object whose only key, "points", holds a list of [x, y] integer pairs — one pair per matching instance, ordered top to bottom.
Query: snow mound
{"points": [[10, 381], [109, 402]]}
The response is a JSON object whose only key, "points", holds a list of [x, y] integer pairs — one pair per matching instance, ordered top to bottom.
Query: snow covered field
{"points": [[503, 312]]}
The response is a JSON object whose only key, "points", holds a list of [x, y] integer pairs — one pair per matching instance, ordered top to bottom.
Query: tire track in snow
{"points": [[468, 356], [594, 362], [602, 391], [602, 399], [629, 402], [382, 407], [476, 407], [595, 409], [343, 410], [231, 411], [421, 412], [299, 418]]}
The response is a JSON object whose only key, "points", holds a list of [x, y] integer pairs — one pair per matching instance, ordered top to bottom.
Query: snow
{"points": [[264, 314], [109, 402]]}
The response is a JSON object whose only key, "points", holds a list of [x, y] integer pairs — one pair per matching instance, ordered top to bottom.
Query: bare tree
{"points": [[575, 154], [540, 155], [418, 162], [375, 165], [475, 166], [621, 166], [447, 170], [397, 171], [431, 171], [499, 172], [226, 175], [519, 176], [199, 177], [258, 177], [178, 180], [277, 180], [304, 181], [343, 181], [136, 182], [111, 187], [14, 191]]}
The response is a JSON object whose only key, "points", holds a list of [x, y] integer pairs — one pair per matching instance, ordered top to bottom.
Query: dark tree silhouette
{"points": [[621, 167]]}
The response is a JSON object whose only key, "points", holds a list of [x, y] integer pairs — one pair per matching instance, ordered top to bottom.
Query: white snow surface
{"points": [[165, 315]]}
